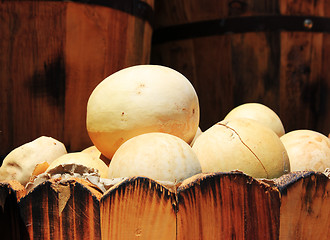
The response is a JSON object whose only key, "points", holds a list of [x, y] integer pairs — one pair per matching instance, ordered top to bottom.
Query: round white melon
{"points": [[141, 99], [260, 113], [242, 144], [308, 150], [159, 156]]}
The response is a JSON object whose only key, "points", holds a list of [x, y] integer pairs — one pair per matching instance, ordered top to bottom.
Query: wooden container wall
{"points": [[52, 56], [280, 62], [206, 206]]}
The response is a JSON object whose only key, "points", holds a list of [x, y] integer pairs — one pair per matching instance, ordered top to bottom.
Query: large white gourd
{"points": [[141, 99], [242, 144], [159, 156]]}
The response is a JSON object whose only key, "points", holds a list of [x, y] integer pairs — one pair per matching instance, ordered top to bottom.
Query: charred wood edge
{"points": [[136, 8], [241, 25], [206, 178], [197, 179], [286, 181], [74, 182], [146, 183], [281, 183], [14, 187], [51, 189], [14, 227]]}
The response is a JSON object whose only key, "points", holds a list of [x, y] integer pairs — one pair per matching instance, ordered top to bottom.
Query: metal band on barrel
{"points": [[137, 8], [241, 25]]}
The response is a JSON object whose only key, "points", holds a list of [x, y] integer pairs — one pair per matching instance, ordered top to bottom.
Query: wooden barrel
{"points": [[274, 52], [54, 53]]}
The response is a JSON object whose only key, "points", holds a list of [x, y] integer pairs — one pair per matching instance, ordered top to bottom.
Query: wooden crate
{"points": [[205, 206]]}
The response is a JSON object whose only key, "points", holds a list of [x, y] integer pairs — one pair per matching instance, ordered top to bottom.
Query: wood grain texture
{"points": [[53, 54], [287, 71], [32, 83], [305, 204], [205, 206], [227, 206], [138, 208], [62, 210], [11, 224]]}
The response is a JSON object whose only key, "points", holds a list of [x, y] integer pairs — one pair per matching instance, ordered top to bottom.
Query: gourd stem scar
{"points": [[245, 146]]}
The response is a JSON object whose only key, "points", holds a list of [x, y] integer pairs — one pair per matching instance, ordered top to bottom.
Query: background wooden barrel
{"points": [[274, 52], [54, 53]]}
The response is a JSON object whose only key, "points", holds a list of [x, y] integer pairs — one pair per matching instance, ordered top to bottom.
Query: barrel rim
{"points": [[137, 8]]}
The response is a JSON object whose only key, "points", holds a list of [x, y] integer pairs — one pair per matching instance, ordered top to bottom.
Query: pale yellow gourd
{"points": [[141, 99], [260, 113], [242, 144], [308, 150], [159, 156]]}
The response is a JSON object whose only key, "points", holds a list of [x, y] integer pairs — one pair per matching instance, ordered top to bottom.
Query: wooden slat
{"points": [[304, 8], [255, 64], [301, 71], [300, 79], [324, 86], [32, 87], [305, 204], [205, 206], [227, 206], [138, 208], [66, 210], [11, 224]]}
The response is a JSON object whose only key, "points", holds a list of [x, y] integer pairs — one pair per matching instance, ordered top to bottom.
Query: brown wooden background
{"points": [[53, 54], [285, 70]]}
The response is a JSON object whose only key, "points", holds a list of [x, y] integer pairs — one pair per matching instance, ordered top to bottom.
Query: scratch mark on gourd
{"points": [[140, 87], [246, 146]]}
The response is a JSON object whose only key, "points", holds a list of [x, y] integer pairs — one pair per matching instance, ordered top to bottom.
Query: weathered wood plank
{"points": [[301, 65], [32, 90], [305, 204], [205, 206], [227, 206], [138, 208], [62, 210], [12, 226]]}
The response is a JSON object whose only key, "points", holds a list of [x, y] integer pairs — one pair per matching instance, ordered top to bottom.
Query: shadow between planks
{"points": [[205, 206]]}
